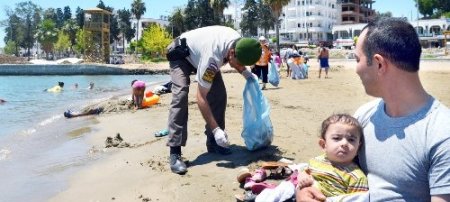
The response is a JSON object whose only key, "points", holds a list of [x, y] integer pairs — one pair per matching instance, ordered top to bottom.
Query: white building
{"points": [[234, 12], [308, 21], [430, 32], [117, 46]]}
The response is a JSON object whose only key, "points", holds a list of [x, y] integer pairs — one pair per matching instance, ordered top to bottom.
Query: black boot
{"points": [[212, 146], [177, 165]]}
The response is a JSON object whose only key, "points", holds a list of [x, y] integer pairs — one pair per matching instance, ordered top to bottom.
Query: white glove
{"points": [[221, 137]]}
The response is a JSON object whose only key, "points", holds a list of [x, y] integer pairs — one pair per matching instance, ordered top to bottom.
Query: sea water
{"points": [[39, 147]]}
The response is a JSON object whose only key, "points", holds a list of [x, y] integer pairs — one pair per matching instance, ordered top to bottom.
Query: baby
{"points": [[335, 173]]}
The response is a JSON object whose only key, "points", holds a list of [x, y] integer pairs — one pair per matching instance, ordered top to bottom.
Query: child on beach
{"points": [[138, 93], [335, 173]]}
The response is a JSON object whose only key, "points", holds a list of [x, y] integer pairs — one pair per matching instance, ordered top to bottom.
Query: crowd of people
{"points": [[405, 122]]}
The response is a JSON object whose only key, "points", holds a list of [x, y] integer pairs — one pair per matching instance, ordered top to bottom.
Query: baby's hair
{"points": [[132, 82], [340, 118]]}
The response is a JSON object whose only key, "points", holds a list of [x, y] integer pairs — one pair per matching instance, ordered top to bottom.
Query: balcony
{"points": [[96, 25]]}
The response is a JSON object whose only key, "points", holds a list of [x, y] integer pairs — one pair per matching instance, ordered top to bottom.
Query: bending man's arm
{"points": [[203, 105]]}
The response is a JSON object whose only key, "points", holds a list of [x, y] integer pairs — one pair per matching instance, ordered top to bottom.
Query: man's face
{"points": [[232, 60], [367, 74]]}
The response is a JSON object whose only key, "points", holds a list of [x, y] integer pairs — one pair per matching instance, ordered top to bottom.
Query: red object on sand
{"points": [[149, 94]]}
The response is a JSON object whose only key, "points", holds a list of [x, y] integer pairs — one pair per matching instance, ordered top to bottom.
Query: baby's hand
{"points": [[305, 179]]}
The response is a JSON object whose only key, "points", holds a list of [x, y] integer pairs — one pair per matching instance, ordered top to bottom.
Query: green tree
{"points": [[101, 5], [218, 6], [276, 6], [426, 7], [433, 8], [138, 9], [50, 13], [204, 13], [67, 14], [191, 15], [30, 16], [79, 16], [59, 18], [266, 20], [176, 23], [249, 23], [125, 26], [71, 28], [114, 29], [14, 30], [47, 35], [28, 39], [155, 39], [62, 45], [80, 46], [10, 48]]}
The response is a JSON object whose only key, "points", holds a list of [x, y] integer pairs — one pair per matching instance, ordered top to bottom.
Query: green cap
{"points": [[248, 51]]}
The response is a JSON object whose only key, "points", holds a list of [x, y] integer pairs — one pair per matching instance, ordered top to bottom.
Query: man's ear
{"points": [[381, 61], [322, 143]]}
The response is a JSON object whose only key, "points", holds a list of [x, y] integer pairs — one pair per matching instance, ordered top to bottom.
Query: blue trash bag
{"points": [[273, 76], [258, 130]]}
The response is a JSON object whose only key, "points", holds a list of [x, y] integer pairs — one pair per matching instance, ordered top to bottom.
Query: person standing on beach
{"points": [[204, 51], [323, 56], [261, 68], [407, 123]]}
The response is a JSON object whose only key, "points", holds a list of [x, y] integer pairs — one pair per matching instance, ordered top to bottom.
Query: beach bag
{"points": [[273, 76], [258, 130]]}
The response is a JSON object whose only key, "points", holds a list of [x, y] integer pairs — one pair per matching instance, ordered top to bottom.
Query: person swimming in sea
{"points": [[57, 88]]}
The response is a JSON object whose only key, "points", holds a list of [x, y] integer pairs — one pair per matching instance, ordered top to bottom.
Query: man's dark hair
{"points": [[395, 39]]}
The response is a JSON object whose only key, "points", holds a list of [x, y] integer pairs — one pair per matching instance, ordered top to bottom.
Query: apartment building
{"points": [[357, 11], [308, 21]]}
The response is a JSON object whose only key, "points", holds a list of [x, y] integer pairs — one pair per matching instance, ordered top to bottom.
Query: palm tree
{"points": [[218, 6], [277, 7], [138, 9], [47, 35]]}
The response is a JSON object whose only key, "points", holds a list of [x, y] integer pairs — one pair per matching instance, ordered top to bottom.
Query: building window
{"points": [[303, 2], [332, 5], [298, 25]]}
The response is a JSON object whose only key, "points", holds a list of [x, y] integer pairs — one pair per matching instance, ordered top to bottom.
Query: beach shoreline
{"points": [[141, 173]]}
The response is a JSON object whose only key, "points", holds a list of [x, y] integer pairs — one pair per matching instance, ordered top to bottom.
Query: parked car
{"points": [[116, 59]]}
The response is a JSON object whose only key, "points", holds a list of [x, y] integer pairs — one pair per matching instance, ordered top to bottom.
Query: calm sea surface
{"points": [[37, 152]]}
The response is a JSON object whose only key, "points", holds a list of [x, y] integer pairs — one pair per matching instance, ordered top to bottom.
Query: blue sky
{"points": [[155, 8]]}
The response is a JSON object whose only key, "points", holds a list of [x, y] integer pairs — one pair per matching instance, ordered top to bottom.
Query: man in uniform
{"points": [[204, 51]]}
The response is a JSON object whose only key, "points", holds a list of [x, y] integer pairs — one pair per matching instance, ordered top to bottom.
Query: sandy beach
{"points": [[141, 172]]}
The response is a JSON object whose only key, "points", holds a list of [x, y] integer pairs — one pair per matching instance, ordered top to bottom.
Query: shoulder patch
{"points": [[209, 74]]}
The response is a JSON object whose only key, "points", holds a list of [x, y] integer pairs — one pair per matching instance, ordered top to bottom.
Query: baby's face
{"points": [[341, 143]]}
